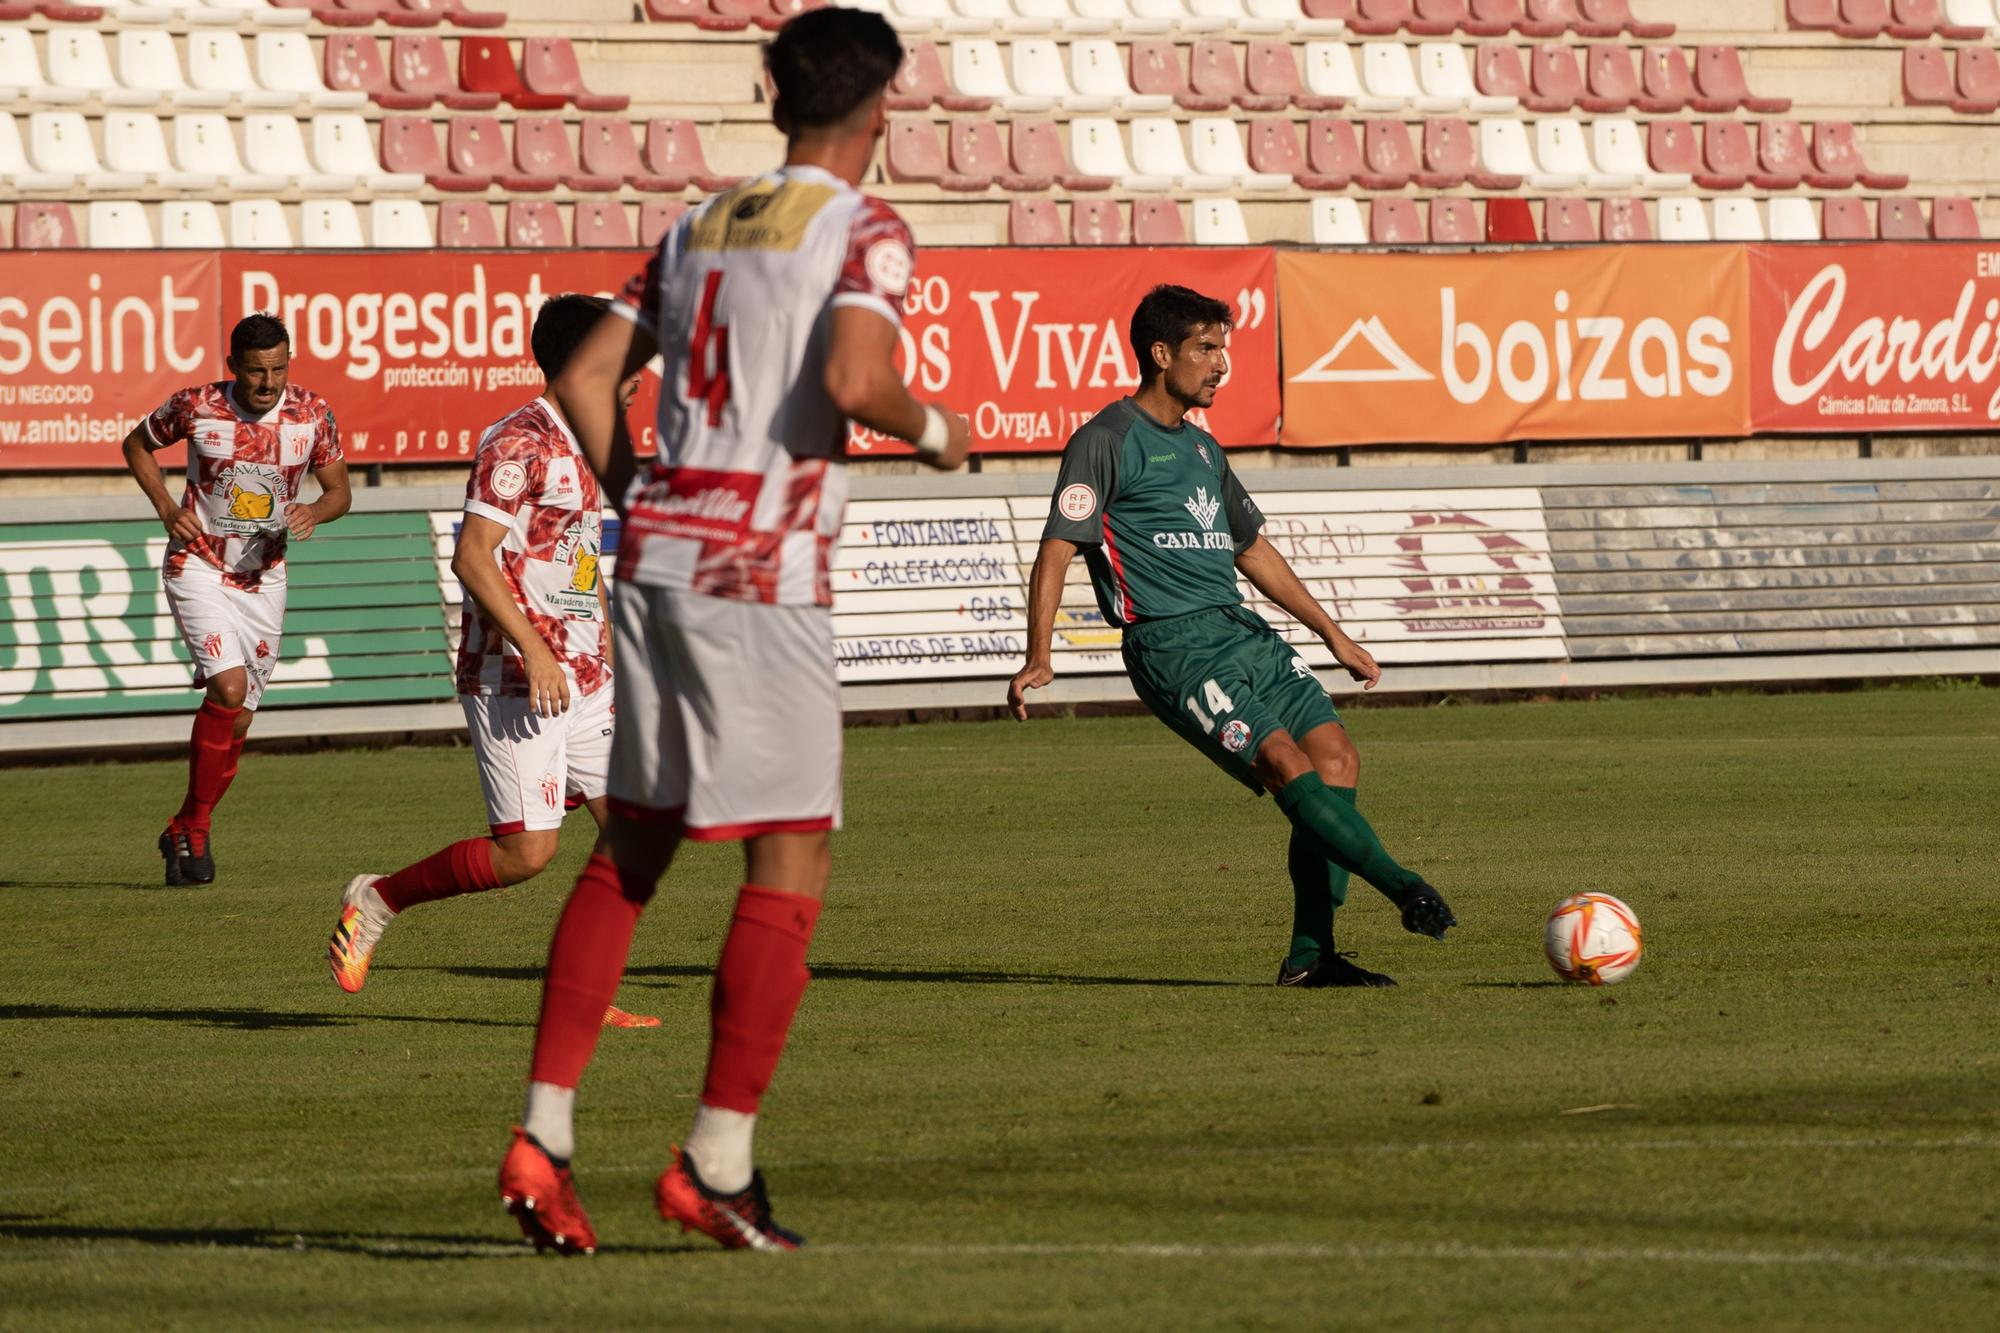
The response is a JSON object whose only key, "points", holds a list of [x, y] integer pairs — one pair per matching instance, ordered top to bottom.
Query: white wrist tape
{"points": [[937, 432]]}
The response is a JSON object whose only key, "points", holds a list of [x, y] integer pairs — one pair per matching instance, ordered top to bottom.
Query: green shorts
{"points": [[1225, 681]]}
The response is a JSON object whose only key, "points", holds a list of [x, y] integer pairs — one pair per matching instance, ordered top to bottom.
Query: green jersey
{"points": [[1159, 515]]}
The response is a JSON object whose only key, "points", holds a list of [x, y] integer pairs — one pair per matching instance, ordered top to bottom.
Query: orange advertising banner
{"points": [[1624, 341]]}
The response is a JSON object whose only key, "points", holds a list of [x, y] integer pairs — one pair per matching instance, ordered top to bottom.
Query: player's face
{"points": [[1198, 366], [260, 376], [627, 392]]}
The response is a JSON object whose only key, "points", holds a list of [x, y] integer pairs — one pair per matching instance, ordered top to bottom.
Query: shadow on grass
{"points": [[81, 884], [848, 972], [1515, 985], [242, 1020], [415, 1246]]}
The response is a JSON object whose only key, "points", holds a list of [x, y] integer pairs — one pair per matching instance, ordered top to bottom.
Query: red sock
{"points": [[211, 762], [463, 867], [586, 962], [758, 984]]}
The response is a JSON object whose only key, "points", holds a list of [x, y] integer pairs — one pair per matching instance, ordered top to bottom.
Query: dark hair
{"points": [[827, 62], [1170, 315], [560, 327], [257, 333]]}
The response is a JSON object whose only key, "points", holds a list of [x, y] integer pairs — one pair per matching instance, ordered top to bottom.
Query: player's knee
{"points": [[229, 689], [1336, 760], [1279, 761], [523, 855]]}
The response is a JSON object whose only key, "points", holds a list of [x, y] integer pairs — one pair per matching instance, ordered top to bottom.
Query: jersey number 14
{"points": [[708, 353]]}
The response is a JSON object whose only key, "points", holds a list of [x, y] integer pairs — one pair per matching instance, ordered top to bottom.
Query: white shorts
{"points": [[225, 627], [728, 714], [533, 768]]}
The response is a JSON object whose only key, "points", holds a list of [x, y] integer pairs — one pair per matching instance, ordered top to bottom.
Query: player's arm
{"points": [[862, 380], [586, 389], [336, 496], [180, 522], [473, 562], [1271, 574], [1045, 588]]}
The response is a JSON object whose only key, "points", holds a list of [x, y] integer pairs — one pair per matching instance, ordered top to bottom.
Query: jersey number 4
{"points": [[708, 353], [1218, 702]]}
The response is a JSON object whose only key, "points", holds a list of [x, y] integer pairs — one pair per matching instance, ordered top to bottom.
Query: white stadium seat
{"points": [[133, 11], [257, 13], [1003, 14], [1971, 14], [923, 15], [1177, 15], [1237, 16], [1062, 17], [1121, 17], [1292, 18], [78, 58], [148, 59], [219, 61], [285, 64], [1097, 70], [978, 71], [21, 72], [1038, 72], [1442, 72], [1330, 73], [1386, 74], [59, 142], [135, 142], [204, 143], [341, 145], [273, 146], [1561, 146], [1619, 146], [1096, 149], [1217, 150], [1157, 151], [1504, 151], [14, 166], [1793, 219], [1336, 220], [1683, 220], [1738, 220], [1219, 222], [117, 224], [190, 224], [259, 224], [330, 224], [399, 224]]}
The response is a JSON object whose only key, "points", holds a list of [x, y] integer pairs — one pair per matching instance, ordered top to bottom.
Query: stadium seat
{"points": [[123, 12], [257, 13], [346, 13], [701, 13], [405, 14], [457, 14], [1057, 15], [1611, 16], [1970, 16], [1380, 18], [1437, 18], [1493, 18], [1862, 19], [1297, 20], [1544, 20], [1914, 20], [78, 59], [148, 60], [218, 63], [353, 63], [285, 64], [485, 65], [418, 67], [548, 67], [1096, 70], [21, 71], [978, 71], [1271, 71], [1156, 72], [1497, 72], [1039, 73], [1213, 73], [1330, 73], [1387, 75], [1445, 76], [1718, 76], [1927, 77], [920, 80], [1554, 81], [1978, 81], [1666, 82], [1610, 83], [135, 143], [203, 143], [59, 145], [341, 145], [410, 145], [273, 146], [477, 146], [606, 146], [1561, 146], [1619, 146], [673, 147], [542, 148], [1035, 148], [1274, 148], [1503, 148], [1671, 148], [973, 149], [1097, 149], [1215, 150], [1157, 151], [1333, 152], [1451, 152], [1836, 152], [914, 156], [1390, 159], [1727, 159], [1782, 160], [656, 216], [1792, 219], [1896, 219], [1955, 219], [1336, 220], [1624, 220], [1683, 220], [1739, 220], [1845, 220], [1393, 221], [1510, 221], [1034, 222], [1096, 222], [1157, 222], [1219, 222], [1454, 222], [1568, 222], [118, 224], [190, 224], [259, 224], [330, 224], [399, 224], [467, 224], [535, 224], [601, 224], [45, 227]]}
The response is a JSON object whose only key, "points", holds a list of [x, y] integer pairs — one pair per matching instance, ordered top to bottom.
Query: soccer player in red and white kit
{"points": [[775, 307], [250, 440], [534, 659]]}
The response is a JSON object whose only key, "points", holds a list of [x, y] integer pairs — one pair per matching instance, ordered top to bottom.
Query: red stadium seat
{"points": [[1329, 9], [57, 13], [347, 13], [455, 13], [701, 13], [403, 14], [1812, 15], [1617, 16], [1378, 18], [1437, 18], [1494, 18], [1552, 18], [1862, 19], [1914, 20], [353, 64], [485, 65], [548, 66], [418, 67], [1156, 70], [1271, 70], [1497, 72], [1213, 74], [1718, 74], [1927, 77], [1554, 79], [922, 81], [1610, 82], [1978, 82], [1666, 84], [410, 144], [477, 146], [606, 146], [1274, 147], [542, 148], [1035, 148], [1671, 148], [973, 149], [1452, 149], [673, 150], [1332, 151], [1836, 152], [1386, 153], [915, 157], [1783, 160], [1728, 161], [656, 216], [1900, 219], [1624, 220], [1845, 220], [1955, 220], [1393, 221], [1568, 221], [1034, 222], [1096, 222], [1157, 222], [1454, 222], [1510, 222], [467, 224], [535, 224], [601, 224], [45, 227]]}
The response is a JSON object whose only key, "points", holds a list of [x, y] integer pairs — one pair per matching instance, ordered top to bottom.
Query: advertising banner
{"points": [[1878, 337], [1623, 341], [1030, 344]]}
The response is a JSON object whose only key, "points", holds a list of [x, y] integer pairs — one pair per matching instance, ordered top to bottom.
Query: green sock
{"points": [[1314, 808], [1319, 887]]}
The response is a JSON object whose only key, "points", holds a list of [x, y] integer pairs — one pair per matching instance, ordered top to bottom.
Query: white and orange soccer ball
{"points": [[1594, 938]]}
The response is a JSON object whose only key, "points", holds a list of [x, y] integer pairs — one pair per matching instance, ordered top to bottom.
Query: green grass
{"points": [[1042, 1078]]}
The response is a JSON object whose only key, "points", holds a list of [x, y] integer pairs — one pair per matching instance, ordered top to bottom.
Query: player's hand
{"points": [[957, 447], [301, 519], [185, 528], [1357, 661], [1030, 677], [548, 687]]}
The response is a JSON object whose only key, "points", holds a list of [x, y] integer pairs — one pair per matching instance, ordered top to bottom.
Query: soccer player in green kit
{"points": [[1165, 528]]}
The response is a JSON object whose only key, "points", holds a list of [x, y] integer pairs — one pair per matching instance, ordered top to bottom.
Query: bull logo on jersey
{"points": [[248, 504], [1202, 507], [584, 579]]}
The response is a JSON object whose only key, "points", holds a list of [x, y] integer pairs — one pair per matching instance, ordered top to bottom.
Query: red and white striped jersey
{"points": [[242, 471], [530, 477], [745, 499]]}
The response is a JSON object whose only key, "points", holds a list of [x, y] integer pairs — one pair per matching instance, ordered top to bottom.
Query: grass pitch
{"points": [[1042, 1078]]}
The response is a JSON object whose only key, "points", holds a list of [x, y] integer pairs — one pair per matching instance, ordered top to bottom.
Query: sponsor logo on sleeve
{"points": [[1077, 501], [1235, 735]]}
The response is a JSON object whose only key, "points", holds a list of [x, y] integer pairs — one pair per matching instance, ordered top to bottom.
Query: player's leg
{"points": [[198, 600], [589, 778], [1319, 885]]}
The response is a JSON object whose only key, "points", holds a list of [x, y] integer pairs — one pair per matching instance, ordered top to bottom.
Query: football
{"points": [[1593, 938]]}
